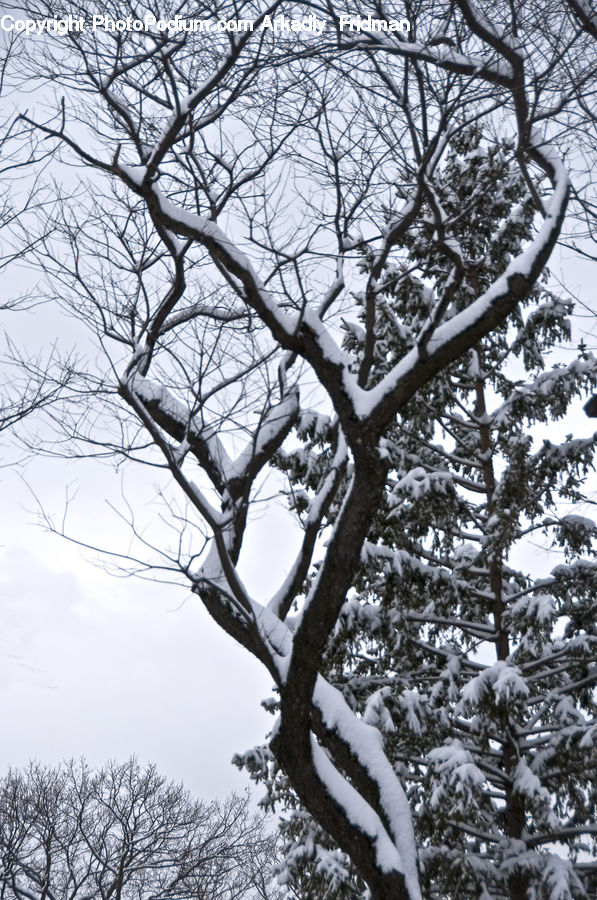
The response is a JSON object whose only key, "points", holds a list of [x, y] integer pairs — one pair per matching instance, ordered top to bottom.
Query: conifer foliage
{"points": [[470, 649]]}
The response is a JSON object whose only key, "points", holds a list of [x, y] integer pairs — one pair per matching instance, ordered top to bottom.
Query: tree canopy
{"points": [[126, 833]]}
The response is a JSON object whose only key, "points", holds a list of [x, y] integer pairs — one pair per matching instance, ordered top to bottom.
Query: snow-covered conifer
{"points": [[471, 652]]}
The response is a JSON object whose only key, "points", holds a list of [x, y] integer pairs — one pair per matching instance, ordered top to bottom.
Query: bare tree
{"points": [[238, 176], [31, 382], [124, 832]]}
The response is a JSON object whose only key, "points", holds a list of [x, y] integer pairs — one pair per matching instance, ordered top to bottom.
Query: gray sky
{"points": [[106, 667]]}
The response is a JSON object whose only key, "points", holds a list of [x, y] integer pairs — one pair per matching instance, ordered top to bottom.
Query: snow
{"points": [[443, 55], [184, 106], [135, 174], [406, 210], [207, 231], [328, 346], [148, 391], [365, 402], [312, 420], [271, 426], [268, 430], [418, 481], [313, 517], [581, 523], [211, 570], [541, 607], [275, 633], [503, 679], [410, 702], [376, 712], [589, 739], [366, 745], [455, 763], [528, 784], [358, 812], [393, 853], [559, 876]]}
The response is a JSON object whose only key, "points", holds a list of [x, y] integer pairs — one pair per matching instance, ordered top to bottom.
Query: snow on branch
{"points": [[467, 326], [364, 744]]}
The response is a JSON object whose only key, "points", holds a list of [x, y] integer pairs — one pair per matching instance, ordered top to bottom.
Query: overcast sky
{"points": [[103, 667]]}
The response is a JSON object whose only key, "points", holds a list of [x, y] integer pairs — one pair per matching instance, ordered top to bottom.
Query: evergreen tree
{"points": [[479, 673]]}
